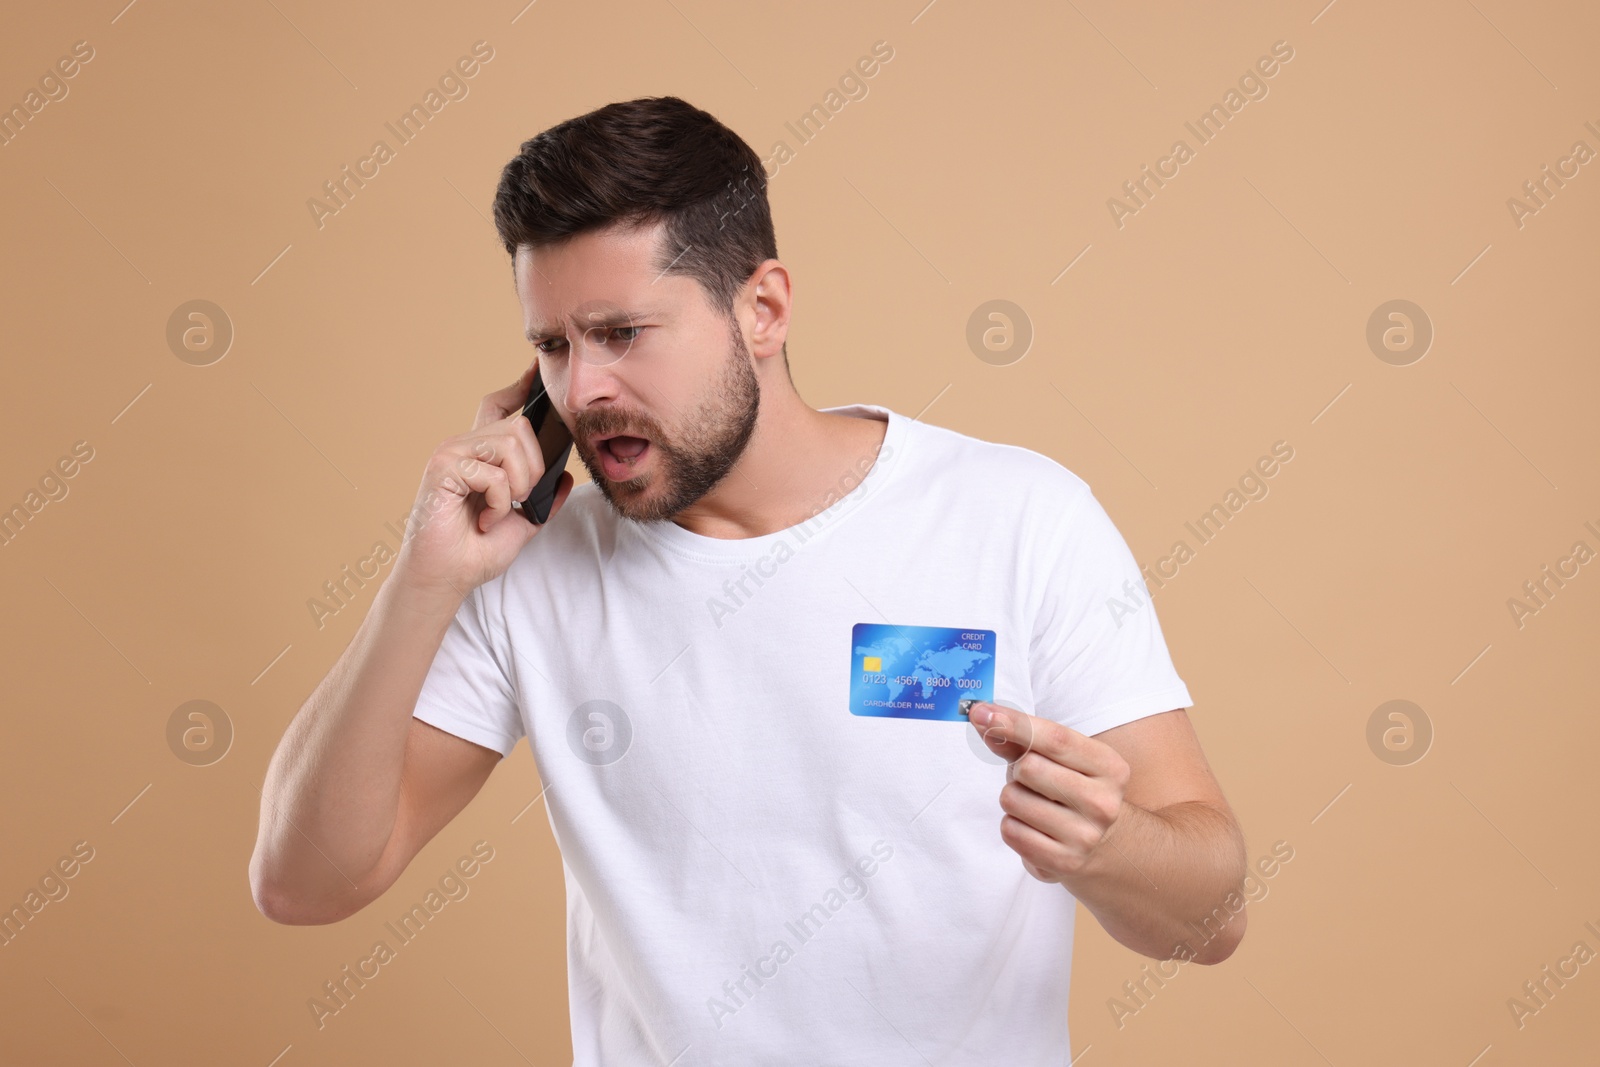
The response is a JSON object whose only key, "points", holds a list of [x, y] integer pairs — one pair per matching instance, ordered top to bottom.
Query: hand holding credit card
{"points": [[1064, 793]]}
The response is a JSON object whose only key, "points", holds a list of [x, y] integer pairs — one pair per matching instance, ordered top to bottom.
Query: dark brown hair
{"points": [[640, 161]]}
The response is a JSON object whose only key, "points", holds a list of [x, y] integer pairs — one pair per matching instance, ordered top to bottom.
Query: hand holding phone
{"points": [[460, 533]]}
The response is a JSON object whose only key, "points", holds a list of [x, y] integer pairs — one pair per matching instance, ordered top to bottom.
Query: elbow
{"points": [[271, 901], [274, 902], [274, 905], [282, 905], [286, 909], [1234, 911], [1222, 946]]}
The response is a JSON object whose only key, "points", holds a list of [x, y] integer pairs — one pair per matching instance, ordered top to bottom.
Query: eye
{"points": [[630, 334], [606, 335]]}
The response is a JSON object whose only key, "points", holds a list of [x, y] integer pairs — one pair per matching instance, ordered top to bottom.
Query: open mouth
{"points": [[621, 455]]}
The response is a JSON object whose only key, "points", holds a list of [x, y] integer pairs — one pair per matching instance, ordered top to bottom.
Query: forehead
{"points": [[611, 269]]}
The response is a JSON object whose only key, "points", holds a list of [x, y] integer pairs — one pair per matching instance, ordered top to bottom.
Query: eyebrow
{"points": [[609, 320]]}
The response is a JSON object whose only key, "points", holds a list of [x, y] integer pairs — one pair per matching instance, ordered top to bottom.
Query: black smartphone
{"points": [[555, 444]]}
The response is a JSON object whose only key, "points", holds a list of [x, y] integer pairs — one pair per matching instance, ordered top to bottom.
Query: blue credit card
{"points": [[919, 672]]}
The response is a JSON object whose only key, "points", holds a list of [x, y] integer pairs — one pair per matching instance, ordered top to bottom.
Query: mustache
{"points": [[625, 426]]}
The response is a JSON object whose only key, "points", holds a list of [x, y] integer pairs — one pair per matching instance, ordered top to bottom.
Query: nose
{"points": [[587, 383]]}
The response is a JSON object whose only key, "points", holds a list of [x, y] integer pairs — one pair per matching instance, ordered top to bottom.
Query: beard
{"points": [[686, 467]]}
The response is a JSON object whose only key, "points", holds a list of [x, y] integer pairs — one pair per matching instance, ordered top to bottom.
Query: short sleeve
{"points": [[1098, 658], [467, 691]]}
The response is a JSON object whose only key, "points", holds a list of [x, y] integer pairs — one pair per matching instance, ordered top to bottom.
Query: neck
{"points": [[799, 461]]}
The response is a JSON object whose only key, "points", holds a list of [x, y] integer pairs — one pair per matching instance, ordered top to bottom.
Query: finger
{"points": [[503, 402], [525, 432], [508, 450], [470, 475], [563, 490], [1033, 733], [1009, 735], [1061, 785], [1088, 803], [1037, 811], [1066, 823], [1035, 848], [1039, 872]]}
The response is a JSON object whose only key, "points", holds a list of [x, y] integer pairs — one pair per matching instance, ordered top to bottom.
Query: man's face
{"points": [[624, 351]]}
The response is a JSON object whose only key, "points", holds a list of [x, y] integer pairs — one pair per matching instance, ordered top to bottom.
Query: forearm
{"points": [[332, 789], [1158, 879]]}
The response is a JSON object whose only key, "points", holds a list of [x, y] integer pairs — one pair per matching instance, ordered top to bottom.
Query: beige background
{"points": [[1229, 313]]}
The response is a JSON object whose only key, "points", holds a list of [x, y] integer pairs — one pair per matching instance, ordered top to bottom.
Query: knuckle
{"points": [[445, 473], [1032, 766], [1121, 770]]}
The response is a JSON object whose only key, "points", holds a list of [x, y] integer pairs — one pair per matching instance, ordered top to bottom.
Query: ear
{"points": [[768, 294]]}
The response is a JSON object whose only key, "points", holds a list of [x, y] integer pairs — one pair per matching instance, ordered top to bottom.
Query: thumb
{"points": [[1007, 731]]}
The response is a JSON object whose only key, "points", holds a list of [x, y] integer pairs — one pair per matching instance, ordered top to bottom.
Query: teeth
{"points": [[627, 461]]}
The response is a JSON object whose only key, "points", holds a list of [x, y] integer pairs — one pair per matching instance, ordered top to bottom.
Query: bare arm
{"points": [[357, 785], [1131, 821], [1177, 853], [1163, 885]]}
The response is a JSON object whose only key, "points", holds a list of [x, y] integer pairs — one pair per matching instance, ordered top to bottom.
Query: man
{"points": [[736, 654]]}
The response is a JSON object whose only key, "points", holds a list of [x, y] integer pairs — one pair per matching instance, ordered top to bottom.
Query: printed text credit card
{"points": [[918, 672]]}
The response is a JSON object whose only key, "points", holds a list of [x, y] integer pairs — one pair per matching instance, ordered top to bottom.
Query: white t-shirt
{"points": [[754, 873]]}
